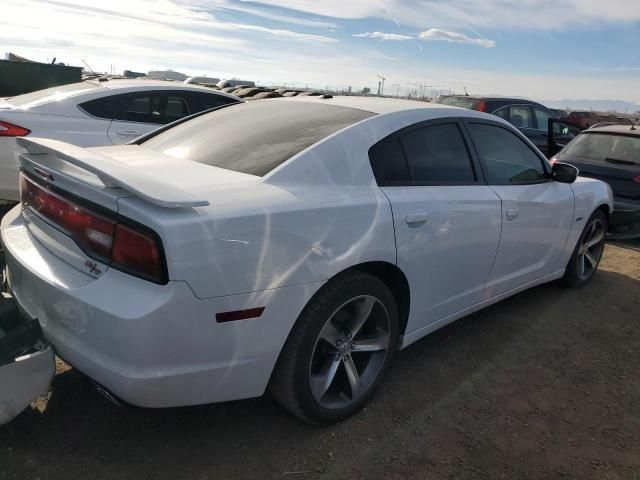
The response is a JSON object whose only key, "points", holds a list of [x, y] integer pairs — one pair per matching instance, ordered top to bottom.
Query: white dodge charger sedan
{"points": [[95, 113], [290, 244]]}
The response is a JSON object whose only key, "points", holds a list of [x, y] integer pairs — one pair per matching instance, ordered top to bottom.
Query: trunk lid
{"points": [[96, 178]]}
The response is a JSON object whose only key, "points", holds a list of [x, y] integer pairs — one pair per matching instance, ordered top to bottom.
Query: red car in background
{"points": [[581, 119]]}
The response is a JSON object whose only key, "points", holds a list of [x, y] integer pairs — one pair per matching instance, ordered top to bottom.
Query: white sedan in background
{"points": [[95, 113], [296, 250]]}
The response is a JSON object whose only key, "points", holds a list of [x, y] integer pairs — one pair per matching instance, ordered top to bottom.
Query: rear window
{"points": [[53, 94], [462, 102], [254, 137], [602, 146]]}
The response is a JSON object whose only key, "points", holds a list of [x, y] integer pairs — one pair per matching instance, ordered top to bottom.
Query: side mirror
{"points": [[564, 173]]}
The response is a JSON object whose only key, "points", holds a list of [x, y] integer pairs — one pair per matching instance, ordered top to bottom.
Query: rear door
{"points": [[141, 112], [537, 213], [447, 221]]}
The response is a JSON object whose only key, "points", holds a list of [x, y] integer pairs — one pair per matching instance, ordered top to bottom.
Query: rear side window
{"points": [[204, 101], [151, 107], [99, 108], [254, 137], [432, 154], [438, 154], [506, 157], [388, 162]]}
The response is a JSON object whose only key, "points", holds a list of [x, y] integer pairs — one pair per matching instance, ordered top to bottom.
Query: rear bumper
{"points": [[151, 345]]}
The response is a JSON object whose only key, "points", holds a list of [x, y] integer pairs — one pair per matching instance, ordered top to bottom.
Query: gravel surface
{"points": [[543, 385]]}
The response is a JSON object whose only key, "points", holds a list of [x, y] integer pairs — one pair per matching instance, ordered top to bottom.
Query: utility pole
{"points": [[381, 85], [397, 87]]}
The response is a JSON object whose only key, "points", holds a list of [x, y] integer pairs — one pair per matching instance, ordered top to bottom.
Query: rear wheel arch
{"points": [[395, 279]]}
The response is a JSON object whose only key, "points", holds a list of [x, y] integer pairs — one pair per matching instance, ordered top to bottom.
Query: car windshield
{"points": [[53, 94], [462, 102], [254, 137], [604, 147]]}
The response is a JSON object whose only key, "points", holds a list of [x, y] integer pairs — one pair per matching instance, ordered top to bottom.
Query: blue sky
{"points": [[544, 49]]}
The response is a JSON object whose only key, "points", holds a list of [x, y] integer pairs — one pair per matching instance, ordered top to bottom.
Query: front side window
{"points": [[520, 116], [438, 154], [506, 157]]}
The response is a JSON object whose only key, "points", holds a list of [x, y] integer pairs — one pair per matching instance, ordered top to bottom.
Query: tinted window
{"points": [[205, 101], [462, 102], [100, 107], [151, 107], [176, 108], [502, 113], [520, 116], [542, 118], [254, 137], [600, 146], [438, 154], [506, 157], [388, 162]]}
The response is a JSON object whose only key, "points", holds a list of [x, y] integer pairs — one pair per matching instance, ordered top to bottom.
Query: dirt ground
{"points": [[543, 385]]}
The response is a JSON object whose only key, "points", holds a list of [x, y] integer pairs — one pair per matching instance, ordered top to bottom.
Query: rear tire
{"points": [[588, 252], [339, 349]]}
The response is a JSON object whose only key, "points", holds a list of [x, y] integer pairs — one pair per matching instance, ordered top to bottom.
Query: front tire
{"points": [[588, 252], [339, 349]]}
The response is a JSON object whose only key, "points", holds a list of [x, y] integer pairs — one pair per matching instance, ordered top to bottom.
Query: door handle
{"points": [[128, 133], [512, 213], [415, 218]]}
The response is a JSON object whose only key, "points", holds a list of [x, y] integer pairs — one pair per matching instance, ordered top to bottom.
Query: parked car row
{"points": [[95, 113], [530, 117]]}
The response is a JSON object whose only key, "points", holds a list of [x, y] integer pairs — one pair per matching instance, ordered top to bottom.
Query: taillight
{"points": [[482, 106], [10, 130], [553, 160], [636, 179], [106, 239], [136, 253]]}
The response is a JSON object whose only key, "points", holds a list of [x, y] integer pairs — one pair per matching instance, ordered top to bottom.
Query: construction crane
{"points": [[381, 85]]}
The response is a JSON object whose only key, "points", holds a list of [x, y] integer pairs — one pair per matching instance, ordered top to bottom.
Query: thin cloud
{"points": [[225, 5], [439, 35], [383, 36]]}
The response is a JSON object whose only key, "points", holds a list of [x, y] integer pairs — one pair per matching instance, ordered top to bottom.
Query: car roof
{"points": [[145, 84], [494, 98], [376, 105], [619, 129]]}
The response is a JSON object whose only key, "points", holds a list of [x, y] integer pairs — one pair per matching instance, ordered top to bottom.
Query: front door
{"points": [[537, 213]]}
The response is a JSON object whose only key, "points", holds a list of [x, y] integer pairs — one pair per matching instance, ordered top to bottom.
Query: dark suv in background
{"points": [[530, 117]]}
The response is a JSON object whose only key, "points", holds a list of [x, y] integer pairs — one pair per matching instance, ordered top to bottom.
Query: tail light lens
{"points": [[482, 106], [10, 130], [636, 179], [102, 237]]}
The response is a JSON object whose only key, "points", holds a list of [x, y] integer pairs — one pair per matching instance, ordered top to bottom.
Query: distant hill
{"points": [[597, 105]]}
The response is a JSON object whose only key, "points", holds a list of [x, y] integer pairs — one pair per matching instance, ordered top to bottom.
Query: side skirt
{"points": [[407, 340]]}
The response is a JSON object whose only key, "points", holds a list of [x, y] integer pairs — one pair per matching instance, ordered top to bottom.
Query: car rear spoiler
{"points": [[113, 173]]}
